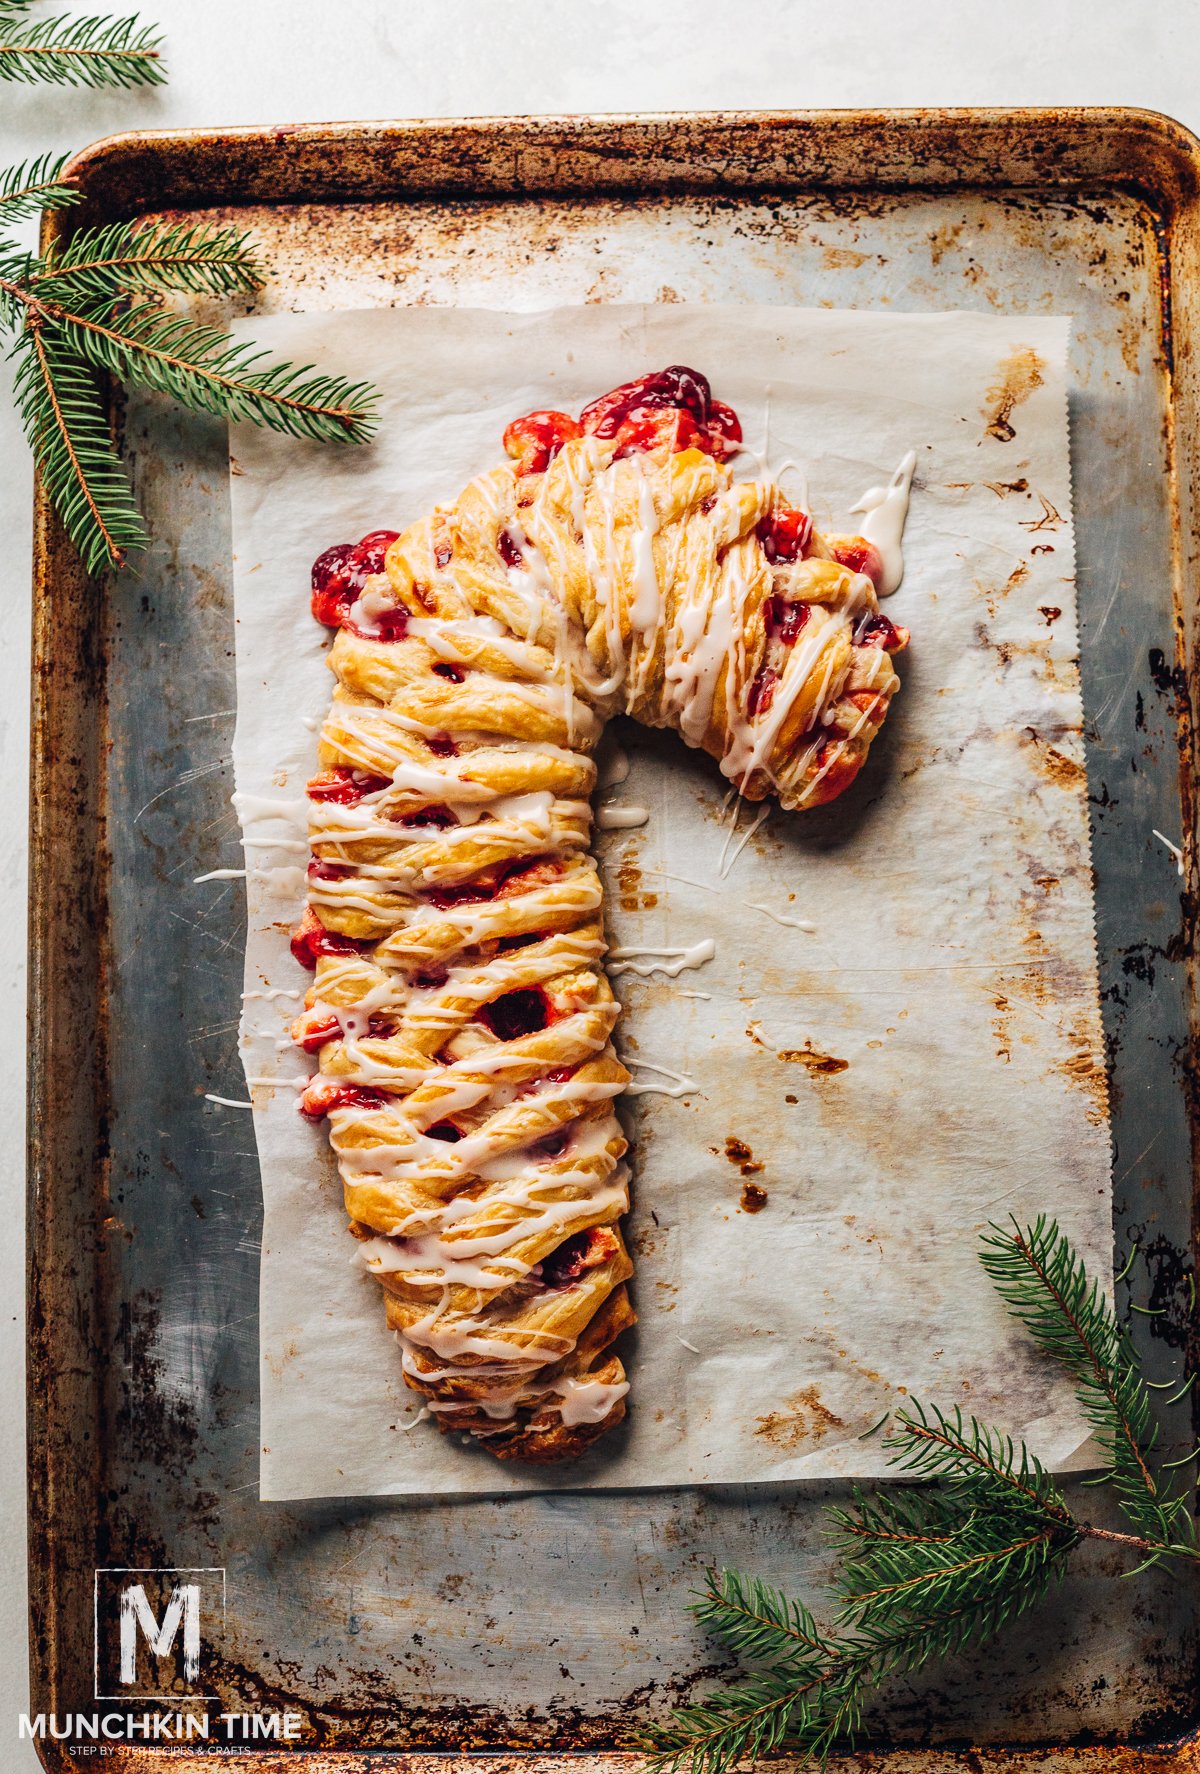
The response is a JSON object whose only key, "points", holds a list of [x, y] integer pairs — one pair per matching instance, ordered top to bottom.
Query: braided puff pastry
{"points": [[460, 1008]]}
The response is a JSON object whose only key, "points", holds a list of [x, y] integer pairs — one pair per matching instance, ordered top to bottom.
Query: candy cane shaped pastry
{"points": [[460, 1008]]}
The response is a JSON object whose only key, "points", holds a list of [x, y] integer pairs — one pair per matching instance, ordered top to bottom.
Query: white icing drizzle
{"points": [[886, 510], [621, 816], [1175, 850], [727, 860], [754, 905], [672, 962], [273, 992], [680, 1084], [226, 1102], [588, 1401]]}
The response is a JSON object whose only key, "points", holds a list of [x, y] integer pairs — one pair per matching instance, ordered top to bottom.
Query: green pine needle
{"points": [[80, 52], [35, 185], [100, 264], [199, 366], [66, 428], [1045, 1284], [929, 1569], [759, 1623]]}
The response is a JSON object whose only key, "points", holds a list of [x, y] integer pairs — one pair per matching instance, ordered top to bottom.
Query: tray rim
{"points": [[1143, 151]]}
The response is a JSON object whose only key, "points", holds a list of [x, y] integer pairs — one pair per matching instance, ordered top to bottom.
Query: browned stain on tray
{"points": [[1016, 379], [1055, 765], [629, 885], [817, 1065], [1088, 1074], [739, 1153], [753, 1197], [802, 1417]]}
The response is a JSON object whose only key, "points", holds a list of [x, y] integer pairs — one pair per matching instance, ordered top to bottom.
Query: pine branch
{"points": [[80, 52], [35, 185], [102, 264], [200, 366], [65, 425], [1045, 1285], [976, 1462], [927, 1570], [759, 1623]]}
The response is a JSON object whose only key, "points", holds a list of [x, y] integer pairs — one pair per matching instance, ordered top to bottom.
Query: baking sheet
{"points": [[926, 1057]]}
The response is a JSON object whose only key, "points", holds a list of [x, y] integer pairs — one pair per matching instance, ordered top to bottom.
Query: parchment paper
{"points": [[925, 1058]]}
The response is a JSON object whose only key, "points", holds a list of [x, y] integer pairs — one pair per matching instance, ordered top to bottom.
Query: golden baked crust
{"points": [[460, 1007]]}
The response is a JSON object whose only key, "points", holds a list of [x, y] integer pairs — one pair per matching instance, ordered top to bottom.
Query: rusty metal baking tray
{"points": [[538, 1624]]}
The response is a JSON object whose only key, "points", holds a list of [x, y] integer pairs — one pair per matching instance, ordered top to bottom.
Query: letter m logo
{"points": [[183, 1605], [153, 1630]]}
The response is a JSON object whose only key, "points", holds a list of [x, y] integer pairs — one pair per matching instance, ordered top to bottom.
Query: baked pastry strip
{"points": [[460, 1008]]}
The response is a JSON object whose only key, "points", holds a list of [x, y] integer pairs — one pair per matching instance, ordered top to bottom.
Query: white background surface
{"points": [[282, 61]]}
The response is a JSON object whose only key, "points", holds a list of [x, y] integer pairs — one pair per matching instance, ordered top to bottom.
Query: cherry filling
{"points": [[676, 386], [672, 408], [626, 414], [649, 428], [534, 441], [784, 534], [508, 548], [859, 555], [338, 577], [784, 620], [880, 631], [453, 673], [762, 691], [442, 746], [345, 786], [437, 815], [319, 870], [500, 881], [468, 893], [310, 939], [521, 941], [431, 980], [518, 1013], [317, 1034], [322, 1096], [444, 1130], [554, 1144], [576, 1255]]}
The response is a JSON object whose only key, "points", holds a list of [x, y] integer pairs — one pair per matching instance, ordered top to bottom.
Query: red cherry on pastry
{"points": [[649, 428], [534, 441], [784, 533], [859, 555], [339, 575], [783, 620], [880, 631], [762, 691], [345, 786], [310, 939], [517, 1013], [314, 1035], [323, 1095], [575, 1255]]}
